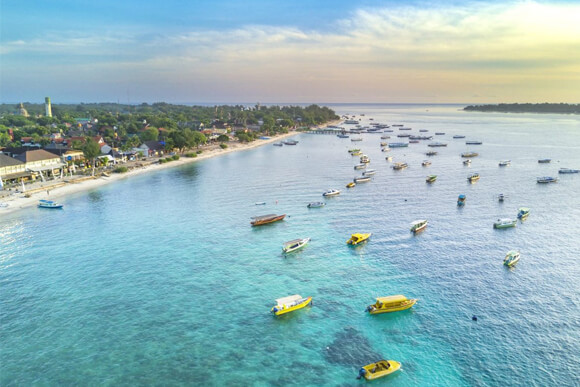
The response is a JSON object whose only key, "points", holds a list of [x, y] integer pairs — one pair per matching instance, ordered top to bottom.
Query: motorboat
{"points": [[423, 130], [440, 133], [342, 136], [458, 136], [385, 137], [354, 139], [290, 142], [473, 142], [383, 144], [398, 144], [437, 144], [385, 149], [351, 151], [357, 153], [431, 153], [469, 154], [389, 158], [365, 159], [544, 161], [467, 162], [426, 163], [505, 163], [360, 166], [398, 166], [568, 170], [369, 172], [473, 177], [431, 178], [361, 179], [547, 179], [352, 184], [331, 192], [501, 197], [461, 200], [260, 203], [49, 204], [316, 204], [523, 212], [266, 219], [505, 223], [418, 226], [358, 238], [294, 245], [511, 258], [290, 304], [391, 304], [379, 369]]}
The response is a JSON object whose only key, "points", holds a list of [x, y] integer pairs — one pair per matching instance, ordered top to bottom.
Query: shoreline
{"points": [[60, 188], [56, 189]]}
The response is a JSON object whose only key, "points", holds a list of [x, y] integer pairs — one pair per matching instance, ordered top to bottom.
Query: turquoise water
{"points": [[160, 279]]}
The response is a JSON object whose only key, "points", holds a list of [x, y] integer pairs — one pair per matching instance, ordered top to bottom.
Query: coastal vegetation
{"points": [[554, 108], [178, 126]]}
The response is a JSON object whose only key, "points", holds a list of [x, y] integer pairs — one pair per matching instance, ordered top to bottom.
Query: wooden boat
{"points": [[440, 133], [342, 136], [458, 136], [385, 137], [356, 139], [290, 142], [473, 142], [278, 144], [398, 144], [437, 144], [351, 151], [431, 153], [469, 154], [389, 158], [365, 159], [544, 161], [426, 163], [505, 163], [360, 166], [398, 166], [568, 170], [369, 172], [473, 177], [431, 178], [362, 179], [547, 179], [352, 184], [331, 192], [461, 200], [260, 203], [49, 204], [316, 204], [523, 212], [266, 219], [505, 223], [418, 226], [358, 238], [294, 245], [511, 258], [290, 304], [391, 304], [379, 369]]}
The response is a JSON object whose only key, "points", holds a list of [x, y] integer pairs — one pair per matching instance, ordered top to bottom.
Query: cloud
{"points": [[381, 50]]}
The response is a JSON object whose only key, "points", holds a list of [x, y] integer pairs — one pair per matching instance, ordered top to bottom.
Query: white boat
{"points": [[356, 139], [385, 149], [389, 158], [365, 159], [544, 161], [467, 162], [426, 163], [505, 163], [360, 166], [400, 166], [568, 170], [369, 172], [362, 179], [547, 179], [331, 192], [48, 204], [316, 204], [505, 223], [418, 225], [294, 245], [511, 258]]}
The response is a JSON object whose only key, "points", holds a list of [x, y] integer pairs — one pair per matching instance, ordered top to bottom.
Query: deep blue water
{"points": [[159, 279]]}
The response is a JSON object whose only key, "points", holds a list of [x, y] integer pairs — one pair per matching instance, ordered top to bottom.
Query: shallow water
{"points": [[160, 279]]}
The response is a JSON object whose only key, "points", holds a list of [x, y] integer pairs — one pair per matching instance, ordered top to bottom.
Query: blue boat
{"points": [[461, 200], [48, 204]]}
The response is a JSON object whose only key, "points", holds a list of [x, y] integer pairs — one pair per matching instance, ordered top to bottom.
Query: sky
{"points": [[291, 51]]}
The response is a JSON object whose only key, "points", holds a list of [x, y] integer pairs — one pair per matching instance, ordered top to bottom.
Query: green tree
{"points": [[223, 138], [91, 150]]}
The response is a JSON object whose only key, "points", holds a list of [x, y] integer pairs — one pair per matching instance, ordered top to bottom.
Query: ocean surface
{"points": [[160, 280]]}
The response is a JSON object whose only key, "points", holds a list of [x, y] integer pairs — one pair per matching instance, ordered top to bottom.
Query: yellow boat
{"points": [[350, 185], [357, 238], [290, 304], [391, 304], [379, 369]]}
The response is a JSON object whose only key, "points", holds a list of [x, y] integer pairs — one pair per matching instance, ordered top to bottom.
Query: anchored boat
{"points": [[431, 178], [331, 192], [461, 200], [49, 204], [316, 204], [523, 213], [265, 219], [505, 223], [418, 225], [358, 238], [294, 245], [511, 258], [290, 304], [391, 304], [379, 369]]}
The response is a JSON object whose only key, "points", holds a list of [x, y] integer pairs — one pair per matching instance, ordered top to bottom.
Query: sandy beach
{"points": [[11, 201]]}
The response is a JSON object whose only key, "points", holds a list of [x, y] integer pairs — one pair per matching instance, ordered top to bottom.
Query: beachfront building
{"points": [[151, 148], [42, 163], [11, 169]]}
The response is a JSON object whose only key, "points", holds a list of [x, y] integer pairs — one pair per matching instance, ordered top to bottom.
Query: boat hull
{"points": [[261, 222], [301, 305], [388, 309], [379, 369]]}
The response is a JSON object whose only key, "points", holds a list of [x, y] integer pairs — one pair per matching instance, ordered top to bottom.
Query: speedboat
{"points": [[365, 159], [544, 161], [426, 163], [505, 163], [360, 166], [400, 166], [568, 170], [369, 172], [473, 177], [431, 178], [362, 179], [547, 179], [352, 184], [331, 192], [461, 200], [49, 204], [316, 204], [523, 213], [265, 219], [505, 223], [418, 225], [358, 238], [294, 245], [511, 258], [290, 304], [391, 304], [379, 369]]}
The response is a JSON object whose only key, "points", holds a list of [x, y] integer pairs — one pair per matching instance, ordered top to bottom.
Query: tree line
{"points": [[558, 108]]}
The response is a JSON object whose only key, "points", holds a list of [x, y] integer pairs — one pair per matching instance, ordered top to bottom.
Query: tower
{"points": [[47, 107]]}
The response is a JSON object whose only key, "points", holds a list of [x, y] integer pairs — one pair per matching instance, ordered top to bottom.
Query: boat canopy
{"points": [[263, 217], [418, 222], [293, 242], [289, 299], [392, 299]]}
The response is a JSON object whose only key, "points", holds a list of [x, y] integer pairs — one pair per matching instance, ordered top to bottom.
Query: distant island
{"points": [[555, 108]]}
